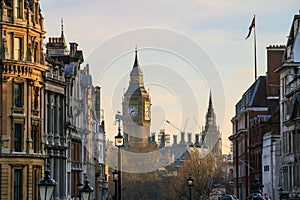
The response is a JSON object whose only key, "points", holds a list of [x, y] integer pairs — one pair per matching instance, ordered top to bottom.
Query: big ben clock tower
{"points": [[136, 108]]}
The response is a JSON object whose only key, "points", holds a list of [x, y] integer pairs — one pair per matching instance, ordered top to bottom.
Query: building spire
{"points": [[62, 28], [62, 36], [136, 61], [210, 106], [210, 115]]}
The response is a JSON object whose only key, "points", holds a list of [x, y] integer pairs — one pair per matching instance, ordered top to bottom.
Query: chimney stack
{"points": [[73, 49], [182, 137], [189, 138], [174, 139], [197, 143]]}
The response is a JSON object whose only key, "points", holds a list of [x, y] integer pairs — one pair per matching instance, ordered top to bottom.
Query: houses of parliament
{"points": [[136, 108]]}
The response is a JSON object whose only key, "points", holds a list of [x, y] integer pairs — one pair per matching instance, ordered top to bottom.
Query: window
{"points": [[18, 9], [17, 48], [18, 95], [36, 98], [18, 138], [36, 139], [266, 168], [36, 176], [17, 184]]}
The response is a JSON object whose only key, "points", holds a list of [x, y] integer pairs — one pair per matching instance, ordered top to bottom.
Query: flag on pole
{"points": [[252, 25]]}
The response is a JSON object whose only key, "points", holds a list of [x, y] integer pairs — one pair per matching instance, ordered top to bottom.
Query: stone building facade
{"points": [[22, 72], [290, 113], [75, 128]]}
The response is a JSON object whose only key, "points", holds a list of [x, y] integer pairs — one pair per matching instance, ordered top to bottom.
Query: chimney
{"points": [[55, 46], [73, 49], [274, 57], [87, 69], [182, 137], [153, 138], [162, 138], [189, 138], [174, 139], [197, 143]]}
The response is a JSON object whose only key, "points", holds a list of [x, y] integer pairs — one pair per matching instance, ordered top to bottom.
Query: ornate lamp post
{"points": [[119, 142], [116, 180], [190, 184], [46, 186], [86, 191], [280, 193]]}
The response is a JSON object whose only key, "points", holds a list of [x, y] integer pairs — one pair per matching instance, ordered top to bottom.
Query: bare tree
{"points": [[207, 172]]}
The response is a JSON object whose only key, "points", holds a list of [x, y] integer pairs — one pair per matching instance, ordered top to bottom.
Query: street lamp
{"points": [[119, 139], [119, 142], [116, 180], [190, 184], [46, 186], [104, 188], [86, 191], [280, 192]]}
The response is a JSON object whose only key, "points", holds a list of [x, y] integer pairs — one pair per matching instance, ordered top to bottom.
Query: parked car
{"points": [[258, 196]]}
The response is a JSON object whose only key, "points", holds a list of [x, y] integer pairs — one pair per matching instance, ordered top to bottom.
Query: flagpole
{"points": [[255, 65]]}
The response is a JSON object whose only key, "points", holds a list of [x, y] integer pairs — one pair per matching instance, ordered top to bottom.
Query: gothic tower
{"points": [[136, 109], [211, 136]]}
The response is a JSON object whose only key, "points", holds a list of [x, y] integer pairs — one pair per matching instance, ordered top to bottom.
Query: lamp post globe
{"points": [[119, 140], [115, 176], [190, 181], [190, 184], [46, 186], [86, 191]]}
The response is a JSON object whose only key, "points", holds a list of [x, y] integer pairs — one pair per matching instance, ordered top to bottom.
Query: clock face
{"points": [[132, 111]]}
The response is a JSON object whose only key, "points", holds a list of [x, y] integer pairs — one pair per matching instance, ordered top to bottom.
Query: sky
{"points": [[185, 48]]}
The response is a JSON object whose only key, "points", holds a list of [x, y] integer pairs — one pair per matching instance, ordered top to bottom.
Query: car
{"points": [[258, 196]]}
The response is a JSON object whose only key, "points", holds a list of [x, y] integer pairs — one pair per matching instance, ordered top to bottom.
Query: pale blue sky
{"points": [[219, 27]]}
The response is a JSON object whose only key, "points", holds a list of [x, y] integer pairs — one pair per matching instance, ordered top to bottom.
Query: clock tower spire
{"points": [[136, 108], [211, 136]]}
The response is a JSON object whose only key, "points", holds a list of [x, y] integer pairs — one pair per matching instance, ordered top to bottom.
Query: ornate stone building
{"points": [[22, 72], [136, 109], [290, 113], [55, 116], [74, 126]]}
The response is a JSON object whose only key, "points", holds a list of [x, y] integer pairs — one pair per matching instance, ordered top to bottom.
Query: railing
{"points": [[54, 76], [76, 165]]}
